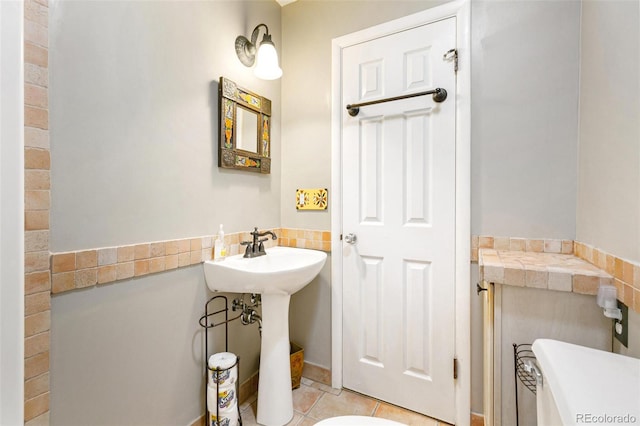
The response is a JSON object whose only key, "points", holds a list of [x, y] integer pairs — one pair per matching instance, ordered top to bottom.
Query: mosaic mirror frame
{"points": [[231, 98]]}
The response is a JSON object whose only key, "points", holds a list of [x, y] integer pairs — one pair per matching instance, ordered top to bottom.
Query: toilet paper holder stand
{"points": [[208, 321]]}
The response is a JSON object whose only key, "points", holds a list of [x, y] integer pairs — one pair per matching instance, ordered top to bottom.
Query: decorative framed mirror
{"points": [[245, 129]]}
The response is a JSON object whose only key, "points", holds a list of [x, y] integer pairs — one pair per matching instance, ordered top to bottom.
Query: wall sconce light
{"points": [[265, 58]]}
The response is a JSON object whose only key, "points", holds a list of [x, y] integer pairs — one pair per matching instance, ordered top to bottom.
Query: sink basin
{"points": [[283, 270], [277, 275]]}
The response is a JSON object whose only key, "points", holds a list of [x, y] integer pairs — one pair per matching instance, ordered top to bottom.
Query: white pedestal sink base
{"points": [[275, 398]]}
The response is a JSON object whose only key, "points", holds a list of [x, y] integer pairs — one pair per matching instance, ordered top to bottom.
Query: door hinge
{"points": [[452, 54], [340, 237], [455, 368]]}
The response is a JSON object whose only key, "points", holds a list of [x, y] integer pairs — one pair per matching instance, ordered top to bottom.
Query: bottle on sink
{"points": [[219, 249]]}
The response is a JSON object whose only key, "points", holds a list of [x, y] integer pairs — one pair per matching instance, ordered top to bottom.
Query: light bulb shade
{"points": [[267, 67]]}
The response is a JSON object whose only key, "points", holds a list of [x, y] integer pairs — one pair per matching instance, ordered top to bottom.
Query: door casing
{"points": [[461, 10]]}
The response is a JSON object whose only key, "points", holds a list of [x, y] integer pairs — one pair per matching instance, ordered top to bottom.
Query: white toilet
{"points": [[358, 421]]}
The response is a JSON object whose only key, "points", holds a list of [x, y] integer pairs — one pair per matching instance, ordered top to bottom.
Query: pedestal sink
{"points": [[276, 276]]}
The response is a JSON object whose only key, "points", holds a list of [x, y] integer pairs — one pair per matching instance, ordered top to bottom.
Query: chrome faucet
{"points": [[255, 248]]}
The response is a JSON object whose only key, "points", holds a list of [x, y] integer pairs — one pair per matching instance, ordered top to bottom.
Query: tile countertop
{"points": [[552, 271]]}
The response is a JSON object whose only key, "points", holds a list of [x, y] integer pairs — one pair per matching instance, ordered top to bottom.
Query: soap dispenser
{"points": [[219, 249]]}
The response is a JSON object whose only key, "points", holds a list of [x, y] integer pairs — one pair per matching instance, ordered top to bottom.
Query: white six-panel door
{"points": [[398, 183]]}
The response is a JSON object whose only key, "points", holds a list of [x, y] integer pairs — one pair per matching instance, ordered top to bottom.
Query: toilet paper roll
{"points": [[226, 362], [224, 399], [225, 419]]}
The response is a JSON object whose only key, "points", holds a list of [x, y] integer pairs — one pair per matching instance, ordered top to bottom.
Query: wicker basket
{"points": [[297, 362]]}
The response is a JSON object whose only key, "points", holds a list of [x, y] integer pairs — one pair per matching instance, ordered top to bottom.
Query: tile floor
{"points": [[314, 401]]}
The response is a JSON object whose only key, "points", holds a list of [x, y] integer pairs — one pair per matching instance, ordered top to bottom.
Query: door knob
{"points": [[350, 238]]}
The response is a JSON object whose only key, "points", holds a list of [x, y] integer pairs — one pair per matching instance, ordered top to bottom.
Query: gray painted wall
{"points": [[134, 125], [609, 155]]}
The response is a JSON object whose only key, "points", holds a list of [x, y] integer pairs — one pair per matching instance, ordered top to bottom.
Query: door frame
{"points": [[461, 10], [12, 212]]}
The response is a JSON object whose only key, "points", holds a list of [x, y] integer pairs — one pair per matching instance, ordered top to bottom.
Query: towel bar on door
{"points": [[439, 95]]}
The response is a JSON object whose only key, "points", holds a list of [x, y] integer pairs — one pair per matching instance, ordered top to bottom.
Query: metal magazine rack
{"points": [[208, 321], [522, 353]]}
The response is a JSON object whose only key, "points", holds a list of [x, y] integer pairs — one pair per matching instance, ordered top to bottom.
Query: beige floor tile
{"points": [[326, 388], [305, 397], [347, 403], [391, 412], [297, 417], [307, 421]]}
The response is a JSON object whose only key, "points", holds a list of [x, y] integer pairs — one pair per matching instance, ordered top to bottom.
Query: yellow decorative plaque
{"points": [[312, 199]]}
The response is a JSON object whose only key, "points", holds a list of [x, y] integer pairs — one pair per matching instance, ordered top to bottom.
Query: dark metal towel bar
{"points": [[439, 95]]}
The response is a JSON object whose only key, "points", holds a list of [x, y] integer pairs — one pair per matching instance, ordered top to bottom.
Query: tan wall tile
{"points": [[36, 12], [35, 33], [36, 55], [37, 75], [38, 97], [36, 117], [36, 138], [35, 158], [37, 179], [37, 200], [36, 219], [326, 236], [36, 241], [207, 242], [485, 242], [501, 243], [195, 244], [518, 244], [184, 246], [326, 246], [536, 246], [553, 246], [171, 247], [567, 247], [157, 249], [142, 251], [126, 254], [207, 254], [107, 256], [196, 257], [86, 259], [184, 259], [36, 261], [63, 262], [171, 262], [156, 264], [610, 264], [619, 265], [141, 267], [124, 270], [627, 272], [107, 274], [514, 276], [636, 276], [86, 277], [536, 279], [36, 282], [62, 282], [585, 284], [619, 289], [628, 295], [636, 300], [37, 323], [36, 344], [36, 365], [36, 386], [36, 406], [42, 419]]}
